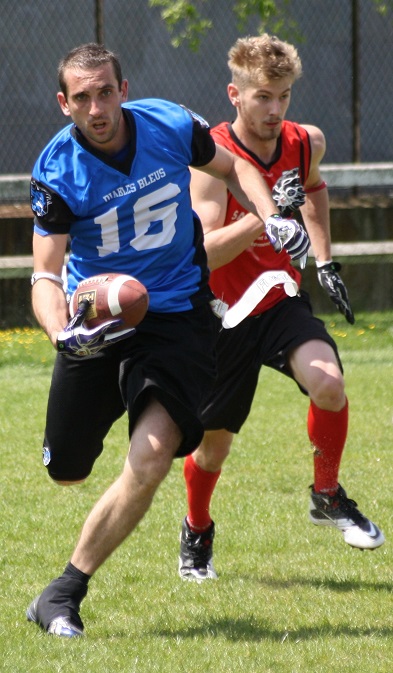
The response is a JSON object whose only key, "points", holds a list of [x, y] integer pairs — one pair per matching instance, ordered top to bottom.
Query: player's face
{"points": [[94, 103], [261, 107]]}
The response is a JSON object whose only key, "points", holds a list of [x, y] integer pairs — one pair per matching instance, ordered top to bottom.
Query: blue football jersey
{"points": [[134, 216]]}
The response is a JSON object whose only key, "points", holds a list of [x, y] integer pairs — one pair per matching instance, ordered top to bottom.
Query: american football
{"points": [[112, 296]]}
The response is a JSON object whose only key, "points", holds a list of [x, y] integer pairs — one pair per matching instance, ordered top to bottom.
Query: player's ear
{"points": [[124, 90], [233, 94], [63, 104]]}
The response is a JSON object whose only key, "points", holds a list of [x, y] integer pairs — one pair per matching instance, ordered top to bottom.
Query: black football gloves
{"points": [[330, 280]]}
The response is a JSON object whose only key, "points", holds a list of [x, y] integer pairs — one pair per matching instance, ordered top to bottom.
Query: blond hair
{"points": [[265, 57]]}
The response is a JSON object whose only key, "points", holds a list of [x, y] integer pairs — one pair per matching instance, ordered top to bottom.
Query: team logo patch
{"points": [[288, 191], [40, 199], [46, 457]]}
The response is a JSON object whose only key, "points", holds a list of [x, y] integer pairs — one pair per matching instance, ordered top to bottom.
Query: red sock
{"points": [[327, 431], [200, 487]]}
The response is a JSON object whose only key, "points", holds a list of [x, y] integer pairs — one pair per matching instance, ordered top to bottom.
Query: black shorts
{"points": [[266, 339], [171, 357]]}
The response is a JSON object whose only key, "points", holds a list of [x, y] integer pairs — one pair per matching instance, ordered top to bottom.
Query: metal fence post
{"points": [[99, 19]]}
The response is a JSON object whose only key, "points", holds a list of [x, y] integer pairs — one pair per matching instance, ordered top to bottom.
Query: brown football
{"points": [[112, 296]]}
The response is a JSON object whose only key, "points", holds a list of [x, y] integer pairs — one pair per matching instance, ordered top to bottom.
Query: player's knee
{"points": [[329, 392], [149, 468]]}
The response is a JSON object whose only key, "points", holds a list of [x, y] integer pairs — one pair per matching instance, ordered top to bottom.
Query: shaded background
{"points": [[35, 35]]}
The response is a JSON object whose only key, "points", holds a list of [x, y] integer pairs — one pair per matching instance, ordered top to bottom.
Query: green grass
{"points": [[291, 598]]}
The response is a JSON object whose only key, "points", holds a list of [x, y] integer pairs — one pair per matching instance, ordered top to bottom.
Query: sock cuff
{"points": [[317, 409], [190, 464], [73, 571]]}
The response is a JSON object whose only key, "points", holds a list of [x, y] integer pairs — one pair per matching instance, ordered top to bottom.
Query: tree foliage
{"points": [[187, 22]]}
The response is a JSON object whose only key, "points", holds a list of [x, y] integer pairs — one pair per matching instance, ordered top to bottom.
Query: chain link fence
{"points": [[35, 35]]}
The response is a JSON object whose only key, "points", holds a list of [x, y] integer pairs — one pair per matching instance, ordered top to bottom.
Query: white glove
{"points": [[290, 235]]}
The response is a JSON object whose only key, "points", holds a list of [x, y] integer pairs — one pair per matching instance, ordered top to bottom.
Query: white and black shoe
{"points": [[341, 512], [196, 554]]}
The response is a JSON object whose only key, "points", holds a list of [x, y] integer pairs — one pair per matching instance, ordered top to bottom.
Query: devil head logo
{"points": [[288, 191], [40, 198]]}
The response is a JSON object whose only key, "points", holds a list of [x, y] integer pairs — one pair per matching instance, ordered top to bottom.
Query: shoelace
{"points": [[349, 507], [199, 549]]}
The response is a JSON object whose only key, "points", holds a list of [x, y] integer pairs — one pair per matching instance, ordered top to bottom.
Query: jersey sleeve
{"points": [[203, 146], [52, 214]]}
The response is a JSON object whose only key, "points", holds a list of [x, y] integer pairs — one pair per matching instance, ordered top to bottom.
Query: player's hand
{"points": [[290, 235], [331, 282], [78, 340]]}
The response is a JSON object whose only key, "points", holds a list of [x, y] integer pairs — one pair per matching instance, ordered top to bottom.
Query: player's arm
{"points": [[244, 181], [249, 188], [315, 211], [316, 217], [223, 244], [48, 297]]}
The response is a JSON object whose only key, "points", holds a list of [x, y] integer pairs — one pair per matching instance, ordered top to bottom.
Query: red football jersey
{"points": [[229, 282]]}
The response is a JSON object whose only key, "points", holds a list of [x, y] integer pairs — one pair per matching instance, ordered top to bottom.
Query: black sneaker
{"points": [[340, 511], [196, 554], [56, 612]]}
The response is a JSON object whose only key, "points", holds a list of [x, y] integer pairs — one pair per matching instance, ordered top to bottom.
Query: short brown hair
{"points": [[86, 57], [263, 57]]}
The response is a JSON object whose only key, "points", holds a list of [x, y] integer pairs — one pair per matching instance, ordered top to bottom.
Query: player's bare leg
{"points": [[315, 367], [154, 443], [213, 450]]}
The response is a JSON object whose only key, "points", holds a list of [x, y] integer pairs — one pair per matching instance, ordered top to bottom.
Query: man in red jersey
{"points": [[280, 332]]}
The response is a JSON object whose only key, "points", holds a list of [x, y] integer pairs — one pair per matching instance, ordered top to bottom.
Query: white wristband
{"points": [[319, 264], [49, 276]]}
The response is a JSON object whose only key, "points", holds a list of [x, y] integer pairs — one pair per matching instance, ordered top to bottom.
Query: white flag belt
{"points": [[255, 293]]}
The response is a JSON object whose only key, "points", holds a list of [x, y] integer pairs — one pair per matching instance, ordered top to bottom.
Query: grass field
{"points": [[291, 598]]}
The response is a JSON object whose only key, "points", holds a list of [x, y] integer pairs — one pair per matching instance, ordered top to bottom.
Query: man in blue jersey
{"points": [[115, 186]]}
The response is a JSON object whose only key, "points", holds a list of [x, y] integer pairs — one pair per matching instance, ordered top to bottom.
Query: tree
{"points": [[186, 22]]}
